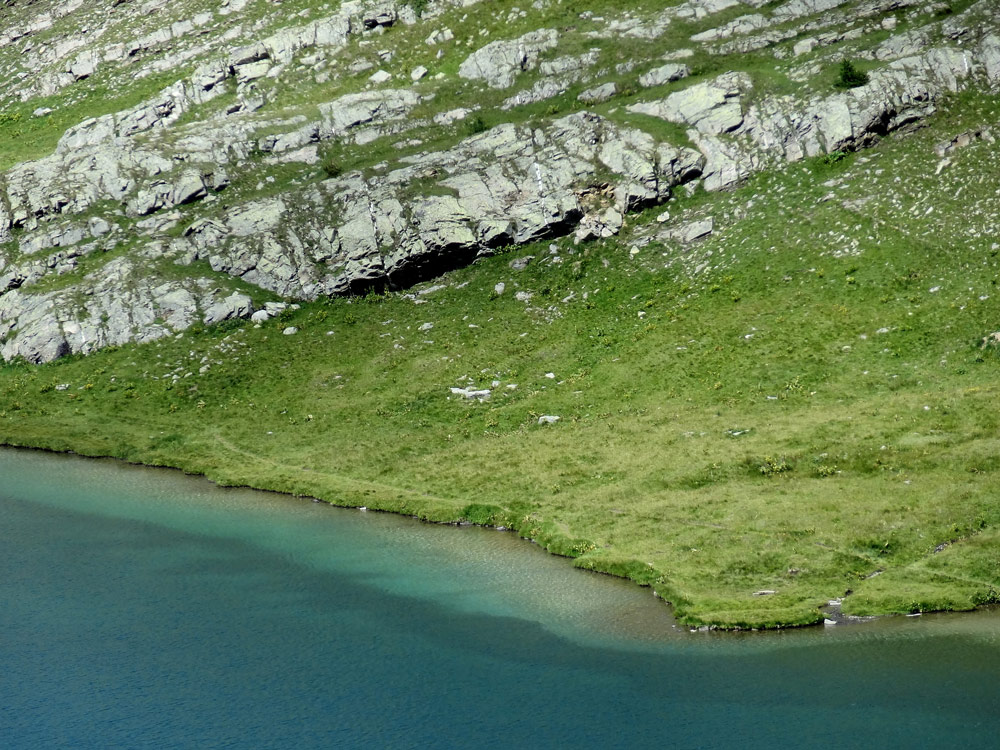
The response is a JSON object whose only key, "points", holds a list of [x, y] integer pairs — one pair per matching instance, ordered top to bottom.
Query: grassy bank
{"points": [[799, 404]]}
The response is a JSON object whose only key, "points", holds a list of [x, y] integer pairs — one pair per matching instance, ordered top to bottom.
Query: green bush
{"points": [[850, 77], [475, 124], [833, 157], [332, 167]]}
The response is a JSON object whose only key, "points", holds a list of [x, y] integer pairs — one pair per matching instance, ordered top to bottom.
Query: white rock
{"points": [[472, 393]]}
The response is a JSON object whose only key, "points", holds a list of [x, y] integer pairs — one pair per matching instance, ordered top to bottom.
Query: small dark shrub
{"points": [[850, 77], [475, 124], [332, 167]]}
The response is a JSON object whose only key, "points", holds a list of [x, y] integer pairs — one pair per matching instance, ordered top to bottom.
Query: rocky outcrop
{"points": [[712, 107], [737, 136], [236, 162], [510, 185], [114, 306]]}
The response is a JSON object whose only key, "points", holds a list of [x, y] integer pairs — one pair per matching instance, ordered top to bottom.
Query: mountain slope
{"points": [[277, 158]]}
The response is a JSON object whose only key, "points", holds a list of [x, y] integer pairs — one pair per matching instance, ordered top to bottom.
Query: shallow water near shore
{"points": [[145, 608]]}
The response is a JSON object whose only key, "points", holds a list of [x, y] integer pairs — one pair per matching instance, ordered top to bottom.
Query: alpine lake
{"points": [[145, 608]]}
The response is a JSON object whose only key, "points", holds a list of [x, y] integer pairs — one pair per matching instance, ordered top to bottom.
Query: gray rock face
{"points": [[799, 8], [383, 14], [739, 26], [499, 63], [598, 94], [897, 96], [368, 107], [712, 107], [737, 140], [507, 185], [692, 231], [115, 305], [41, 337]]}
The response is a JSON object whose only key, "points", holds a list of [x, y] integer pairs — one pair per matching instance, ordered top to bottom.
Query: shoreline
{"points": [[823, 619]]}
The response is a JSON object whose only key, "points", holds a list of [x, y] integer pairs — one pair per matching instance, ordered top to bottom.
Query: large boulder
{"points": [[499, 63], [664, 74], [713, 107], [236, 305]]}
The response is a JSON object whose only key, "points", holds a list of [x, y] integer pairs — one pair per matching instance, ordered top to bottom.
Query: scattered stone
{"points": [[290, 331], [992, 339], [548, 419]]}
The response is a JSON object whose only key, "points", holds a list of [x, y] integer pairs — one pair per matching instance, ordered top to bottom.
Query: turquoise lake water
{"points": [[143, 608]]}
